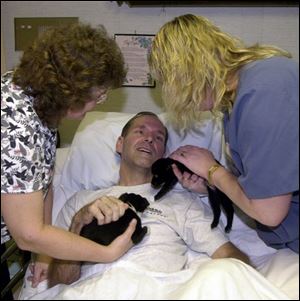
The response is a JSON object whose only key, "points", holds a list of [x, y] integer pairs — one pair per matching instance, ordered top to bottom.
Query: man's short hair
{"points": [[140, 114]]}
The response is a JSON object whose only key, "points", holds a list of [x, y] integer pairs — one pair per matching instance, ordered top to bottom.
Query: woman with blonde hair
{"points": [[65, 73], [256, 89]]}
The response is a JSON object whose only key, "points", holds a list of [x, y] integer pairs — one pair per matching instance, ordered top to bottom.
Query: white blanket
{"points": [[220, 279]]}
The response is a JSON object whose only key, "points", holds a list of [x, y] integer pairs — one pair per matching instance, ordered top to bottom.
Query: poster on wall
{"points": [[135, 49]]}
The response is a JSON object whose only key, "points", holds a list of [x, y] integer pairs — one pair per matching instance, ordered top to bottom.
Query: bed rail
{"points": [[24, 259]]}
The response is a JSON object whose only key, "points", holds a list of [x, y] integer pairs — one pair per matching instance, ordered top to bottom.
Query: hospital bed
{"points": [[91, 163]]}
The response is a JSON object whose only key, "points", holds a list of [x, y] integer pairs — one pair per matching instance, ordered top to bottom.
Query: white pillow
{"points": [[92, 162]]}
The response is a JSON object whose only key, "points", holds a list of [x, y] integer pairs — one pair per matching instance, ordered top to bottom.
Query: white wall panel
{"points": [[270, 25]]}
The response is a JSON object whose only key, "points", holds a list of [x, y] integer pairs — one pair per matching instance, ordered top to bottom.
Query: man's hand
{"points": [[39, 269]]}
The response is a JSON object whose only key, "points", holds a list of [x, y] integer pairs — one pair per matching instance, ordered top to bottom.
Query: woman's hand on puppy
{"points": [[190, 181], [105, 209]]}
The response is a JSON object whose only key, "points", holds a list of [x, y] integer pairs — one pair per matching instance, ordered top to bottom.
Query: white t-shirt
{"points": [[175, 223]]}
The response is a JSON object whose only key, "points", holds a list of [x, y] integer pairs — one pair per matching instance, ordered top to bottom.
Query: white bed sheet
{"points": [[278, 277], [205, 279], [127, 282]]}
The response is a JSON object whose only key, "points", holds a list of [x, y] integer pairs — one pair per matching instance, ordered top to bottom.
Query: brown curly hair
{"points": [[63, 64]]}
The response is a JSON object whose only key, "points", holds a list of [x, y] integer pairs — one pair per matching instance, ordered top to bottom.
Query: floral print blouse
{"points": [[27, 146]]}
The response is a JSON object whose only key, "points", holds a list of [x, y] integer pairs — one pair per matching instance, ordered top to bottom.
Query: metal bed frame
{"points": [[24, 262]]}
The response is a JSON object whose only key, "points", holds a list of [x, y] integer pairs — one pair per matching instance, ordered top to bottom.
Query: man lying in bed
{"points": [[175, 223]]}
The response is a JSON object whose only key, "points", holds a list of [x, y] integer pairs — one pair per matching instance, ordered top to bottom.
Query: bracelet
{"points": [[211, 170]]}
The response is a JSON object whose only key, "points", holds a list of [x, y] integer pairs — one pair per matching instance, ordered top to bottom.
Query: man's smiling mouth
{"points": [[144, 150]]}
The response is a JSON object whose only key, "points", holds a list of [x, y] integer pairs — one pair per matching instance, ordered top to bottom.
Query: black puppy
{"points": [[164, 177], [105, 234]]}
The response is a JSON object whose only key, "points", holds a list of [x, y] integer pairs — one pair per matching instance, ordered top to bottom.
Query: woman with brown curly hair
{"points": [[65, 73], [256, 89]]}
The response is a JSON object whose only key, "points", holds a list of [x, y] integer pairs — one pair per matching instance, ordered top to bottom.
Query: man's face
{"points": [[144, 142]]}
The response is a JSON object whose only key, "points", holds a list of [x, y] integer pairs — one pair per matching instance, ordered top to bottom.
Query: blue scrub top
{"points": [[263, 136]]}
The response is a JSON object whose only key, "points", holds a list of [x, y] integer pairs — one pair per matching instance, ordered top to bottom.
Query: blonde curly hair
{"points": [[192, 57], [63, 64]]}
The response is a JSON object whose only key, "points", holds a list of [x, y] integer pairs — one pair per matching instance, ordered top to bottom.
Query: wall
{"points": [[268, 25], [3, 61]]}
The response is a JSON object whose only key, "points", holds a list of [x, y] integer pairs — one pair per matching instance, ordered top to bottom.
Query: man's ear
{"points": [[119, 145]]}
